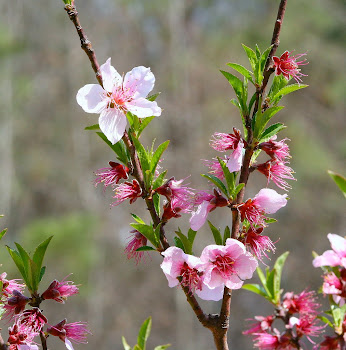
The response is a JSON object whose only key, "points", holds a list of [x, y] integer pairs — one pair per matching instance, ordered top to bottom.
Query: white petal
{"points": [[110, 77], [139, 82], [92, 98], [143, 108], [113, 123], [199, 217], [207, 293], [68, 344]]}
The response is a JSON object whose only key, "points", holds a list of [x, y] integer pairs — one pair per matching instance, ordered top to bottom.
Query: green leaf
{"points": [[258, 52], [251, 56], [264, 58], [242, 70], [278, 83], [237, 85], [287, 90], [153, 98], [252, 101], [263, 119], [144, 123], [92, 127], [271, 131], [119, 148], [142, 155], [157, 156], [230, 177], [159, 180], [339, 180], [217, 182], [238, 189], [156, 201], [138, 219], [147, 231], [2, 233], [157, 233], [191, 234], [216, 234], [226, 234], [179, 243], [186, 243], [144, 248], [39, 255], [18, 261], [26, 264], [278, 266], [42, 272], [262, 279], [270, 283], [255, 288], [325, 320], [144, 333], [125, 345], [137, 347], [162, 347]]}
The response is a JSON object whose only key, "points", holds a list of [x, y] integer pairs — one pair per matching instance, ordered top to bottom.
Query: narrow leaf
{"points": [[251, 56], [242, 70], [237, 85], [287, 90], [153, 98], [263, 119], [144, 123], [92, 127], [271, 131], [118, 148], [142, 155], [157, 155], [159, 180], [339, 180], [217, 182], [156, 201], [138, 219], [147, 231], [2, 233], [216, 234], [226, 234], [179, 243], [187, 244], [144, 248], [18, 261], [278, 266], [255, 288], [144, 333], [125, 345], [162, 347]]}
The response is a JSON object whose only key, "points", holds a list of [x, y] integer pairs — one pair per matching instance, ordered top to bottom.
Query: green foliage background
{"points": [[47, 160]]}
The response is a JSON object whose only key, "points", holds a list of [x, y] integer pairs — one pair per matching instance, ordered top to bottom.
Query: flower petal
{"points": [[110, 77], [139, 82], [91, 98], [143, 108], [113, 123], [235, 160], [269, 200], [199, 217], [338, 244], [328, 258], [245, 266], [234, 282], [207, 293], [68, 344]]}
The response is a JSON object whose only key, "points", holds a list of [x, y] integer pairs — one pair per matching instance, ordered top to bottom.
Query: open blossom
{"points": [[287, 65], [118, 96], [223, 142], [276, 149], [215, 167], [277, 171], [112, 175], [127, 190], [178, 194], [266, 201], [206, 203], [137, 241], [258, 244], [335, 257], [227, 265], [190, 269], [8, 286], [335, 286], [60, 291], [304, 303], [33, 318], [261, 324], [306, 326], [76, 332], [21, 337], [267, 341]]}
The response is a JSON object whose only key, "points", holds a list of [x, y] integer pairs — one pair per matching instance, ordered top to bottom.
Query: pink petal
{"points": [[110, 77], [139, 82], [91, 98], [143, 108], [113, 123], [235, 160], [270, 200], [199, 217], [338, 244], [235, 248], [328, 258], [171, 265], [245, 266], [213, 279], [234, 282], [207, 293], [68, 344]]}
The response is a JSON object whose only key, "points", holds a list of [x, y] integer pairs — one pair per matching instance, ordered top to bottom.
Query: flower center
{"points": [[289, 65], [118, 99], [224, 265], [191, 278]]}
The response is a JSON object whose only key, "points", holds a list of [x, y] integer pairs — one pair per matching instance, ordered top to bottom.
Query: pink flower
{"points": [[287, 65], [118, 96], [223, 142], [276, 149], [235, 160], [215, 167], [277, 171], [111, 176], [127, 190], [179, 195], [266, 201], [206, 203], [137, 241], [257, 243], [335, 257], [176, 264], [227, 265], [8, 286], [335, 286], [60, 291], [304, 303], [16, 304], [33, 319], [262, 324], [307, 326], [76, 332], [21, 337], [267, 341]]}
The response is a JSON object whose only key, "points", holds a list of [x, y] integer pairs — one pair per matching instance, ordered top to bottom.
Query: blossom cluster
{"points": [[29, 321]]}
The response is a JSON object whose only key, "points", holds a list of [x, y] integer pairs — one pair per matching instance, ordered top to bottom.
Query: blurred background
{"points": [[47, 160]]}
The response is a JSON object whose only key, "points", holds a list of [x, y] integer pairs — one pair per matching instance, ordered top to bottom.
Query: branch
{"points": [[43, 341]]}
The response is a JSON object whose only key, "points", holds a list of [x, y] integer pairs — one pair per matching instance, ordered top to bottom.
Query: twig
{"points": [[43, 341]]}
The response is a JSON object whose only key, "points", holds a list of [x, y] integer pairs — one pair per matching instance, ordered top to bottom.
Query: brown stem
{"points": [[43, 341]]}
